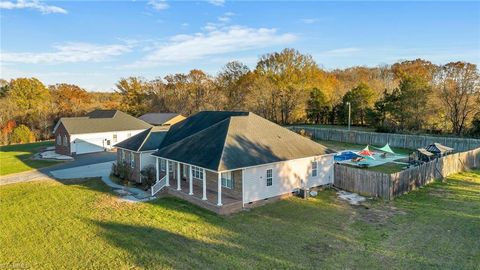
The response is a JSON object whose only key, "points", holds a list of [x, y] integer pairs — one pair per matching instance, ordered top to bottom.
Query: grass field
{"points": [[17, 158], [82, 226]]}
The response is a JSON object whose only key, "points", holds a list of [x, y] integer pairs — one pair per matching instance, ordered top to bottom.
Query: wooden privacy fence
{"points": [[395, 140], [389, 186]]}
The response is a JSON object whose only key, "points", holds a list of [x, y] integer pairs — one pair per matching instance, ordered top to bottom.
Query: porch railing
{"points": [[158, 185]]}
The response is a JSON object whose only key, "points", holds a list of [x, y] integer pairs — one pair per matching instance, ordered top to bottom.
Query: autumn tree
{"points": [[292, 74], [232, 82], [458, 83], [135, 94], [29, 95], [69, 99], [361, 99], [317, 107], [22, 134]]}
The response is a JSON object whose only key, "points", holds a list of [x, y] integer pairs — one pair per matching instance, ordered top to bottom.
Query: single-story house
{"points": [[162, 119], [98, 131], [136, 151], [232, 160]]}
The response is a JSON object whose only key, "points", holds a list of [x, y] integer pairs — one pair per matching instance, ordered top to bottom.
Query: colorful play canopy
{"points": [[386, 149], [366, 153]]}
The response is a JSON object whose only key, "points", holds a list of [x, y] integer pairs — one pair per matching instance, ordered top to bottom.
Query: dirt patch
{"points": [[113, 202], [377, 214]]}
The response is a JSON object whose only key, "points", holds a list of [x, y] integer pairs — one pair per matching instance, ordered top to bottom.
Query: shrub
{"points": [[22, 134], [149, 175]]}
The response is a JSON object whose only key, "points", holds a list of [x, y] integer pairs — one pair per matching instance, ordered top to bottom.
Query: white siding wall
{"points": [[95, 142], [287, 176]]}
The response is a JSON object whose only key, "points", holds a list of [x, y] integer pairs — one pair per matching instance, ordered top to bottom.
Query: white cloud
{"points": [[216, 2], [32, 4], [159, 4], [226, 17], [310, 20], [219, 41], [71, 52], [341, 52]]}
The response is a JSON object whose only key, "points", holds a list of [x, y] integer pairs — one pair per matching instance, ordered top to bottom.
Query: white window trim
{"points": [[59, 139], [65, 140], [123, 155], [132, 160], [314, 169], [197, 173], [269, 177], [227, 180]]}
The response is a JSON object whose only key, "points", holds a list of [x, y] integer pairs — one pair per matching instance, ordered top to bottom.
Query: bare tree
{"points": [[458, 84]]}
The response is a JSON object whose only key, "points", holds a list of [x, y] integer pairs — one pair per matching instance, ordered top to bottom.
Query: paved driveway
{"points": [[81, 161]]}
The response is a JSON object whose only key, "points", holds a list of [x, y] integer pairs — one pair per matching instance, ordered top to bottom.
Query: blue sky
{"points": [[95, 43]]}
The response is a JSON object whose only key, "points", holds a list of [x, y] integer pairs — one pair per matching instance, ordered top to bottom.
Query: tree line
{"points": [[286, 87]]}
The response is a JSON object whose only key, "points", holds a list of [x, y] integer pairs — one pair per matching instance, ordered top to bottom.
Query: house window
{"points": [[114, 138], [59, 140], [65, 140], [123, 155], [132, 160], [170, 167], [314, 168], [197, 172], [269, 177], [227, 180]]}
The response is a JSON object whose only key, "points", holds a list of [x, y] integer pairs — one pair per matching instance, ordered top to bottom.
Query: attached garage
{"points": [[98, 131], [88, 146]]}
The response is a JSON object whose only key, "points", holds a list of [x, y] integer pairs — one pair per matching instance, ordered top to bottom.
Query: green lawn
{"points": [[17, 158], [82, 226]]}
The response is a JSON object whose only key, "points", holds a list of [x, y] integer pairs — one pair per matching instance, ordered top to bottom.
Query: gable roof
{"points": [[158, 119], [102, 121], [147, 140], [222, 141], [438, 148]]}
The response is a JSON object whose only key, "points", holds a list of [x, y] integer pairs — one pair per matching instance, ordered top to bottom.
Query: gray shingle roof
{"points": [[158, 118], [103, 121], [147, 140], [230, 140]]}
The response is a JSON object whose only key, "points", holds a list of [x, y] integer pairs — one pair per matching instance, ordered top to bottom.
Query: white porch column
{"points": [[156, 167], [178, 176], [167, 177], [190, 178], [204, 185], [219, 201]]}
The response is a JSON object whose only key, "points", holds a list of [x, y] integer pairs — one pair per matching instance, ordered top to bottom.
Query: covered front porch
{"points": [[203, 187]]}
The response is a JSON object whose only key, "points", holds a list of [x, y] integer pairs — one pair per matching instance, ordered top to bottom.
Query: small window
{"points": [[114, 138], [59, 140], [65, 140], [108, 142], [123, 155], [132, 160], [163, 165], [314, 168], [197, 172], [269, 177], [227, 180]]}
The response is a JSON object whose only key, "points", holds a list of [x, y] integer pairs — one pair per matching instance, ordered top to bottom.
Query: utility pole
{"points": [[349, 114]]}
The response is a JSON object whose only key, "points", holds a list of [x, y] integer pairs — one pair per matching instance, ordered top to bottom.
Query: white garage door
{"points": [[88, 146]]}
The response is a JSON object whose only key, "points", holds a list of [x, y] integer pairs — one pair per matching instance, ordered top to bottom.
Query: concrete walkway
{"points": [[103, 170]]}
